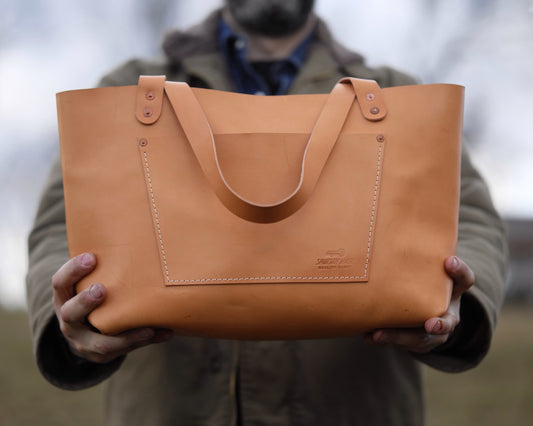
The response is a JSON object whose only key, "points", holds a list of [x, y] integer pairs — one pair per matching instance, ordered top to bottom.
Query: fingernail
{"points": [[86, 260], [455, 262], [95, 291], [437, 327], [146, 333], [380, 337]]}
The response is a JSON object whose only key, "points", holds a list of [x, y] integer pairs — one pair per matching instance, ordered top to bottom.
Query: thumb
{"points": [[461, 274]]}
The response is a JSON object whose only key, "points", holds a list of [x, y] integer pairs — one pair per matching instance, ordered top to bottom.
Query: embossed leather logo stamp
{"points": [[334, 259]]}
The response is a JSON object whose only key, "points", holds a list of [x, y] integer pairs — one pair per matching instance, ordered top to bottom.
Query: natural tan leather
{"points": [[150, 98], [237, 216]]}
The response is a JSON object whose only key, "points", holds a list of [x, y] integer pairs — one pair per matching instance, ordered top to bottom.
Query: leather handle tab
{"points": [[370, 98], [149, 103], [319, 146]]}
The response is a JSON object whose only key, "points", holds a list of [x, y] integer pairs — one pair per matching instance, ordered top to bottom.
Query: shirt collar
{"points": [[233, 47]]}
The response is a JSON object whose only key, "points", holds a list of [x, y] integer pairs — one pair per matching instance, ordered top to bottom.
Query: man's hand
{"points": [[72, 310], [436, 331]]}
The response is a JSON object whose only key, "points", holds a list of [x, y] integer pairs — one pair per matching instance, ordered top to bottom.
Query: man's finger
{"points": [[462, 276], [64, 280], [76, 309], [444, 324], [415, 340], [102, 349]]}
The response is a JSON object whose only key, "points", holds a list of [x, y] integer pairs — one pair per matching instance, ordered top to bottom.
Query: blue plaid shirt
{"points": [[259, 78]]}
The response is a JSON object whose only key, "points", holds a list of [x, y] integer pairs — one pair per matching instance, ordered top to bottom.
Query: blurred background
{"points": [[47, 46]]}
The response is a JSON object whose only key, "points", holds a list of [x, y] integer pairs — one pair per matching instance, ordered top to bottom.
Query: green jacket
{"points": [[196, 381]]}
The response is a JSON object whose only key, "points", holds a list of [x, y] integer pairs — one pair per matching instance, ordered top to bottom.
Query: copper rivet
{"points": [[150, 95], [370, 97], [374, 110], [147, 112], [380, 138], [143, 142]]}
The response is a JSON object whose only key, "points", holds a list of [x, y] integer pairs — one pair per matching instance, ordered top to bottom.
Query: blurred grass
{"points": [[499, 392], [28, 399]]}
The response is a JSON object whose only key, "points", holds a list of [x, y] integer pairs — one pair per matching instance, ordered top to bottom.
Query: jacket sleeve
{"points": [[482, 245], [48, 251]]}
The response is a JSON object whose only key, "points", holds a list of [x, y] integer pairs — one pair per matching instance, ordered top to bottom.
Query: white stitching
{"points": [[156, 215], [370, 230], [369, 243], [263, 278]]}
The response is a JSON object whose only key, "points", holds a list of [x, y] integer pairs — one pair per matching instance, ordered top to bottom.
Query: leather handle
{"points": [[319, 146]]}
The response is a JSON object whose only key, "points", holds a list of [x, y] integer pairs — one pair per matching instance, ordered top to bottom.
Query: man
{"points": [[269, 47]]}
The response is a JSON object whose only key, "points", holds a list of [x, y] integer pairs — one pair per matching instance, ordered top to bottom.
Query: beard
{"points": [[274, 18]]}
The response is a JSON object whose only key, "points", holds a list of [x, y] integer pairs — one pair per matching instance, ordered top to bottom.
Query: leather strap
{"points": [[321, 142]]}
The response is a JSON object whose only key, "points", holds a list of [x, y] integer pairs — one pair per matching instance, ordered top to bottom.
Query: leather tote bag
{"points": [[263, 217]]}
